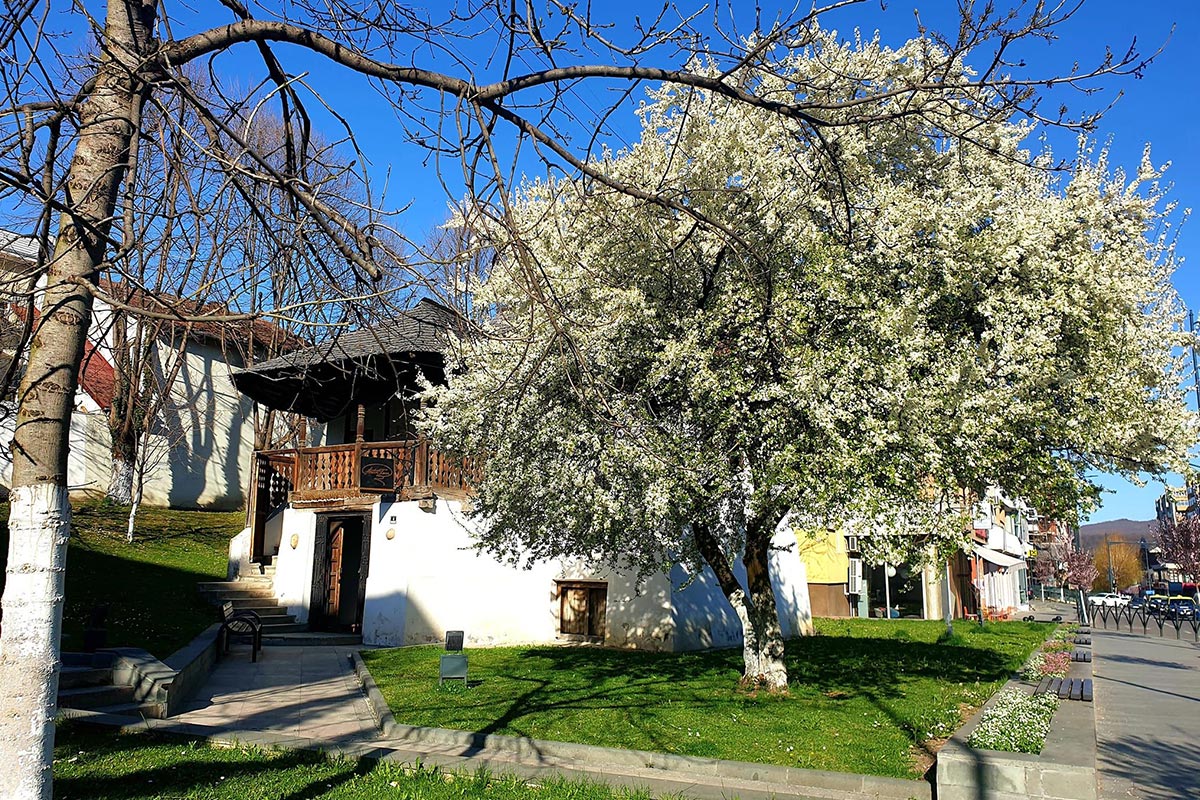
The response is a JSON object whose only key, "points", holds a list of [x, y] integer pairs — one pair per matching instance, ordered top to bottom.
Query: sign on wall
{"points": [[377, 474]]}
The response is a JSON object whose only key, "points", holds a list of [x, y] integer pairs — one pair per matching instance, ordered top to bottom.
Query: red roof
{"points": [[96, 376]]}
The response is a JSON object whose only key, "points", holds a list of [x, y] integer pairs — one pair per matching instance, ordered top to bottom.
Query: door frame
{"points": [[320, 568]]}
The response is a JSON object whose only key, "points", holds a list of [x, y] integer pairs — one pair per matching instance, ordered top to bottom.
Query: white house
{"points": [[200, 452], [367, 532], [1002, 575]]}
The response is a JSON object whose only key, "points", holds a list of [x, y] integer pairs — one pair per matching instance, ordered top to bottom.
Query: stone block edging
{"points": [[525, 747], [1064, 770]]}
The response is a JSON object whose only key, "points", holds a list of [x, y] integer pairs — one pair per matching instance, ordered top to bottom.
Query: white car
{"points": [[1110, 599]]}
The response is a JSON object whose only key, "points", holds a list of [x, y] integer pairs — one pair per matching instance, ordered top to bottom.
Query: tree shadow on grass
{"points": [[545, 683], [179, 776]]}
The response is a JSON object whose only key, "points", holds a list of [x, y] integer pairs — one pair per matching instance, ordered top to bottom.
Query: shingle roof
{"points": [[423, 329]]}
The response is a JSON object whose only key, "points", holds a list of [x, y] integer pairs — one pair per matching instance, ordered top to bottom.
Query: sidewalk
{"points": [[309, 698], [1147, 713]]}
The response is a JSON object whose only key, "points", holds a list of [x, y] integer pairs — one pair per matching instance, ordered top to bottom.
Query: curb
{"points": [[540, 750]]}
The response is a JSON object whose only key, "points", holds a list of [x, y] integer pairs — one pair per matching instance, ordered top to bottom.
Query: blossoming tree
{"points": [[854, 321]]}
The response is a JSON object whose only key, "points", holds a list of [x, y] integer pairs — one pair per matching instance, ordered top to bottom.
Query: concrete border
{"points": [[192, 663], [162, 687], [525, 747], [1064, 770]]}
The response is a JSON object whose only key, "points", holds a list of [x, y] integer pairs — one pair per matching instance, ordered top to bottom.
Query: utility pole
{"points": [[1195, 373], [1112, 577]]}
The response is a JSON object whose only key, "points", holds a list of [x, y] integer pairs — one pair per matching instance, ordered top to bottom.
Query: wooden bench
{"points": [[245, 624], [1083, 640], [1081, 655], [1066, 688]]}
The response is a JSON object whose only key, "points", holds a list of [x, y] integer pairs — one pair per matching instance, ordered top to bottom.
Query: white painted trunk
{"points": [[120, 483], [39, 524], [762, 667]]}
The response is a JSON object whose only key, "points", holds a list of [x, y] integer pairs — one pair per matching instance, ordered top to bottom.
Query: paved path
{"points": [[308, 692], [1147, 713]]}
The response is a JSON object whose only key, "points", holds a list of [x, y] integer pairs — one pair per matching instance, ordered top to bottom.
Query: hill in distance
{"points": [[1128, 530]]}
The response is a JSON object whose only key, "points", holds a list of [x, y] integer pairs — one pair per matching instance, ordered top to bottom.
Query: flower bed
{"points": [[1016, 723]]}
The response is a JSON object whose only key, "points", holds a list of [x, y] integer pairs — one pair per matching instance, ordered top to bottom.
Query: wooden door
{"points": [[333, 567]]}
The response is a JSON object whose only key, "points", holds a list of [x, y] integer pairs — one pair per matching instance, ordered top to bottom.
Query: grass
{"points": [[149, 586], [866, 696], [103, 765]]}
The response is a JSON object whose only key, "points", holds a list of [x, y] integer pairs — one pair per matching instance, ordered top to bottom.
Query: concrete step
{"points": [[253, 577], [227, 592], [254, 603], [265, 612], [273, 628], [310, 638], [77, 677], [95, 696], [143, 710]]}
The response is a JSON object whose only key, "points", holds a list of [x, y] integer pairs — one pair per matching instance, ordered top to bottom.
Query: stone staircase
{"points": [[256, 592], [85, 681]]}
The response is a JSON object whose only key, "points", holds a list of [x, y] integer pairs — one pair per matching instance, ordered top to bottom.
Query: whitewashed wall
{"points": [[294, 565], [428, 578]]}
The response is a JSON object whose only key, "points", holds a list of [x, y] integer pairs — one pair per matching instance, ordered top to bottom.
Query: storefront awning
{"points": [[999, 559]]}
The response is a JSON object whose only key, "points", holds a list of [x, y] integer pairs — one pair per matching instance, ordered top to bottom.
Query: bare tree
{"points": [[74, 138], [1180, 543]]}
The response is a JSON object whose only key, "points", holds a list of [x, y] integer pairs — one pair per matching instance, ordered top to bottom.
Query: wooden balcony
{"points": [[408, 470]]}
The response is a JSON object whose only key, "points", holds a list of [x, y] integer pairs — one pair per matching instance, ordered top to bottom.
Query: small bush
{"points": [[1015, 723]]}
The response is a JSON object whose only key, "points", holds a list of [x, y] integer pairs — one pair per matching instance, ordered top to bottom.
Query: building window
{"points": [[582, 606]]}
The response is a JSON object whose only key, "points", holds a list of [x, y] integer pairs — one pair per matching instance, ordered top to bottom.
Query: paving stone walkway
{"points": [[308, 692], [1147, 713]]}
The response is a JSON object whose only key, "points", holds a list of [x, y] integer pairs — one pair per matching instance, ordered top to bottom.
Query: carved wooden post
{"points": [[358, 444], [421, 468]]}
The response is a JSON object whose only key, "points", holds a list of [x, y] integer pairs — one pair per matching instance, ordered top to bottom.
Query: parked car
{"points": [[1110, 599], [1157, 603], [1181, 608]]}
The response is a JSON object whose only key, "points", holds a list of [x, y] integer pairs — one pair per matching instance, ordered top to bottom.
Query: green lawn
{"points": [[149, 586], [868, 696], [104, 765]]}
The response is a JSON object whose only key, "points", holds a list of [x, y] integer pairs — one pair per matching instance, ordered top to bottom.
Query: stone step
{"points": [[273, 628], [311, 639], [76, 677], [95, 696]]}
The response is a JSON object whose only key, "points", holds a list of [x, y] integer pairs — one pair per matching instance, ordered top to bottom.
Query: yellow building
{"points": [[832, 569]]}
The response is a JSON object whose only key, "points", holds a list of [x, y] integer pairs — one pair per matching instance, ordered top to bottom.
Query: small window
{"points": [[851, 543], [582, 606]]}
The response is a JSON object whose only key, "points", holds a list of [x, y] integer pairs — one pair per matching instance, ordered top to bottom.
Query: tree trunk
{"points": [[120, 482], [40, 515], [762, 640], [771, 671]]}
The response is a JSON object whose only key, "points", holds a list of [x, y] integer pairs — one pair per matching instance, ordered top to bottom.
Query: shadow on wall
{"points": [[206, 425], [703, 617]]}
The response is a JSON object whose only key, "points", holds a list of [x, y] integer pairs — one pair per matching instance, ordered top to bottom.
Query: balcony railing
{"points": [[408, 469], [348, 473]]}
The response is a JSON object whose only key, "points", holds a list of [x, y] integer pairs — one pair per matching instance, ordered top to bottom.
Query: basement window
{"points": [[582, 607]]}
